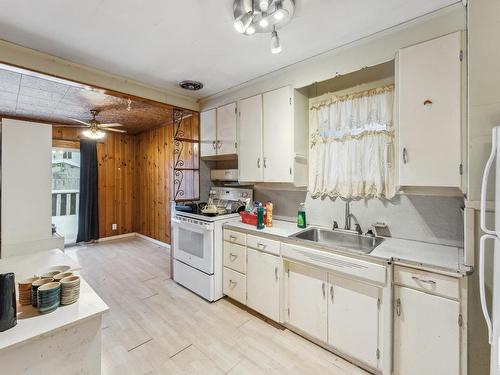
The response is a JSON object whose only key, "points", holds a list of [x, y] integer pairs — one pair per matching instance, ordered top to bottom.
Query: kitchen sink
{"points": [[339, 239]]}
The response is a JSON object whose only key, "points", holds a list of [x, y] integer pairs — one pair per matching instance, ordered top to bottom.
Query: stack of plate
{"points": [[34, 289], [25, 290], [70, 291], [49, 297]]}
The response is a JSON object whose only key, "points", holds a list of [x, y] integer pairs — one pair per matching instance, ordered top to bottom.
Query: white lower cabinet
{"points": [[263, 283], [306, 300], [353, 318], [426, 333]]}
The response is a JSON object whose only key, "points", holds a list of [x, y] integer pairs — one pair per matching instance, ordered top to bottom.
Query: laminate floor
{"points": [[155, 326]]}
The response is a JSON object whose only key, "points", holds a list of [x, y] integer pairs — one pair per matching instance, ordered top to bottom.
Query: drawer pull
{"points": [[233, 238], [260, 244], [233, 256], [418, 279], [231, 282]]}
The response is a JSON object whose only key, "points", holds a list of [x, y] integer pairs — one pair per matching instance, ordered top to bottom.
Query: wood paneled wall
{"points": [[115, 155], [153, 179]]}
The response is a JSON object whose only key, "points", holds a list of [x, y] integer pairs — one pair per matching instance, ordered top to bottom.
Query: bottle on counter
{"points": [[269, 211], [260, 216], [301, 216]]}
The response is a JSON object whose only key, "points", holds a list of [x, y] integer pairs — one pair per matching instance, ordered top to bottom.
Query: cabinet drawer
{"points": [[236, 237], [263, 244], [235, 256], [235, 285], [445, 286]]}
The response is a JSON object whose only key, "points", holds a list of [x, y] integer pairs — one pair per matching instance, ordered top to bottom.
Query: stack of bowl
{"points": [[50, 274], [62, 275], [34, 289], [25, 290], [70, 290], [49, 297]]}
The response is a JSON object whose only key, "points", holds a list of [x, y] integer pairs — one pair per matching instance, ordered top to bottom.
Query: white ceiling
{"points": [[160, 42]]}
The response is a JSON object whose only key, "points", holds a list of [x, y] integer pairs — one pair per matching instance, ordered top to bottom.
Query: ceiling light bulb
{"points": [[264, 5], [279, 13], [242, 22], [264, 22], [250, 30], [275, 42], [94, 134]]}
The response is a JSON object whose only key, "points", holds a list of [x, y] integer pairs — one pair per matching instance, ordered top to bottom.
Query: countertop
{"points": [[425, 255], [30, 324]]}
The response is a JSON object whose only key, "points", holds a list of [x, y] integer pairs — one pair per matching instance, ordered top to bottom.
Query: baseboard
{"points": [[134, 234], [117, 237], [160, 243]]}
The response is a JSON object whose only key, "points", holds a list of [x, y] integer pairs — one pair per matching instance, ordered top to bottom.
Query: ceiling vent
{"points": [[191, 85]]}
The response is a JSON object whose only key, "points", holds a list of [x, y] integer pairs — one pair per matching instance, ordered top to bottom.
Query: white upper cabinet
{"points": [[430, 102], [226, 129], [278, 129], [218, 131], [208, 132], [273, 135], [250, 139], [353, 318], [426, 334]]}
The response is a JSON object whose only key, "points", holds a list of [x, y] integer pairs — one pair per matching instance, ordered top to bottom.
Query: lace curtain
{"points": [[352, 145]]}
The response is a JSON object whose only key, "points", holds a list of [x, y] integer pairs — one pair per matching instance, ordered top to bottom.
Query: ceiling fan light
{"points": [[264, 5], [279, 13], [242, 22], [264, 22], [250, 30], [275, 42], [94, 134]]}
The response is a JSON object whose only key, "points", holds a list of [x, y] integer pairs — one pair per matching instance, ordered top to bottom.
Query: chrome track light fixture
{"points": [[263, 16]]}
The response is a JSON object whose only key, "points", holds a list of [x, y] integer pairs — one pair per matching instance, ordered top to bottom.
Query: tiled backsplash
{"points": [[423, 218]]}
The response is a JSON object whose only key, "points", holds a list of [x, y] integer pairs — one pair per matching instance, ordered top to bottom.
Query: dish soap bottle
{"points": [[260, 216], [301, 216]]}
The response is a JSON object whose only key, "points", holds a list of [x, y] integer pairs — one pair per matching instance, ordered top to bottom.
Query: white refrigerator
{"points": [[493, 234]]}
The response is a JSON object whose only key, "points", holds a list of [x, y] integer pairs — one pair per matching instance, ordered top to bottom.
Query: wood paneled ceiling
{"points": [[37, 97]]}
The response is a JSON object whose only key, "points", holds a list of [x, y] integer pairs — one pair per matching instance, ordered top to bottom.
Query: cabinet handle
{"points": [[427, 102], [219, 144], [214, 145], [405, 155], [258, 162], [265, 162], [232, 238], [260, 244], [231, 255], [276, 273], [418, 279], [231, 282], [323, 288], [331, 292], [398, 307]]}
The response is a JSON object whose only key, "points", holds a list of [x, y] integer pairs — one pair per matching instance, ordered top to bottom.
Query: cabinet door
{"points": [[278, 127], [226, 129], [208, 132], [430, 134], [250, 139], [263, 280], [306, 300], [353, 318], [426, 334]]}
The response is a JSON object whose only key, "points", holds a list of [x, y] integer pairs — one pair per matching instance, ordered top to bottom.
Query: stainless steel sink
{"points": [[340, 239]]}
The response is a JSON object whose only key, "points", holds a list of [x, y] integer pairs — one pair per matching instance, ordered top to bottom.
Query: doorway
{"points": [[65, 192]]}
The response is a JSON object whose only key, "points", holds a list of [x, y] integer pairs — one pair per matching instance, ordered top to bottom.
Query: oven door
{"points": [[194, 244]]}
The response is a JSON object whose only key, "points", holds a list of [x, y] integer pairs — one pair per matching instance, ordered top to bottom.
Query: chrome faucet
{"points": [[347, 219]]}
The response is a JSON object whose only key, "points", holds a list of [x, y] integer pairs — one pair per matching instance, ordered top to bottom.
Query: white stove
{"points": [[198, 244]]}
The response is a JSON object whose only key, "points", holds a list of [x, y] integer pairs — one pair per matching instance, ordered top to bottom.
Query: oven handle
{"points": [[205, 227]]}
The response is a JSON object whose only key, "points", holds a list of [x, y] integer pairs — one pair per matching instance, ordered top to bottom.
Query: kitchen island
{"points": [[65, 341]]}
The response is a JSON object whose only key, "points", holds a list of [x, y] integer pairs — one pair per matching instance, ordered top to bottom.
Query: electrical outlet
{"points": [[114, 227]]}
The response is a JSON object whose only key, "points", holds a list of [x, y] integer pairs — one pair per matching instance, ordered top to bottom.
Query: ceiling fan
{"points": [[95, 128]]}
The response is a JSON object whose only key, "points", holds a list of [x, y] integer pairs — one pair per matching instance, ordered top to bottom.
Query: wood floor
{"points": [[155, 326]]}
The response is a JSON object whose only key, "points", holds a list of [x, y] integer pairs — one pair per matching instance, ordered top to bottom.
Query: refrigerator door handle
{"points": [[484, 185], [482, 292]]}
